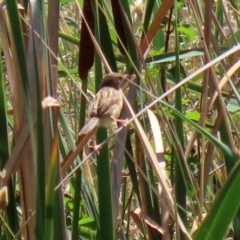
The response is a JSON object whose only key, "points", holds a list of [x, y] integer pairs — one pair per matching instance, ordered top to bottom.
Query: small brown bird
{"points": [[107, 105], [104, 109]]}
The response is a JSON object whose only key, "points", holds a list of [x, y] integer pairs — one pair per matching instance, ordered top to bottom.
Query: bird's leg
{"points": [[122, 121], [94, 146]]}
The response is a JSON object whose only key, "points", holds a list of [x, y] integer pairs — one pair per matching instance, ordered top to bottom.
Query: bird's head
{"points": [[114, 80]]}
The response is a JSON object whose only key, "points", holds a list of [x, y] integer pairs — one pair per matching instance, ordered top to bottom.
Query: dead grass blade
{"points": [[157, 135], [168, 199]]}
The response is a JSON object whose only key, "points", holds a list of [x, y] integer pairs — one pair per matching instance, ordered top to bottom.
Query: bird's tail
{"points": [[89, 126]]}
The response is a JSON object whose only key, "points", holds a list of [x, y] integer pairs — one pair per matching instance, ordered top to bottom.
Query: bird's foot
{"points": [[123, 122], [95, 147]]}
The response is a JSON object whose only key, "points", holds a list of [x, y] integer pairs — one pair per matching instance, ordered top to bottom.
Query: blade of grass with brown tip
{"points": [[150, 33], [162, 165], [168, 200]]}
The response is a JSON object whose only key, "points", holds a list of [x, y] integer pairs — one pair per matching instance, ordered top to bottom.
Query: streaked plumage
{"points": [[107, 105]]}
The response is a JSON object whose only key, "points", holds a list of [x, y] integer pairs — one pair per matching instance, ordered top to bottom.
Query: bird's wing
{"points": [[105, 102]]}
